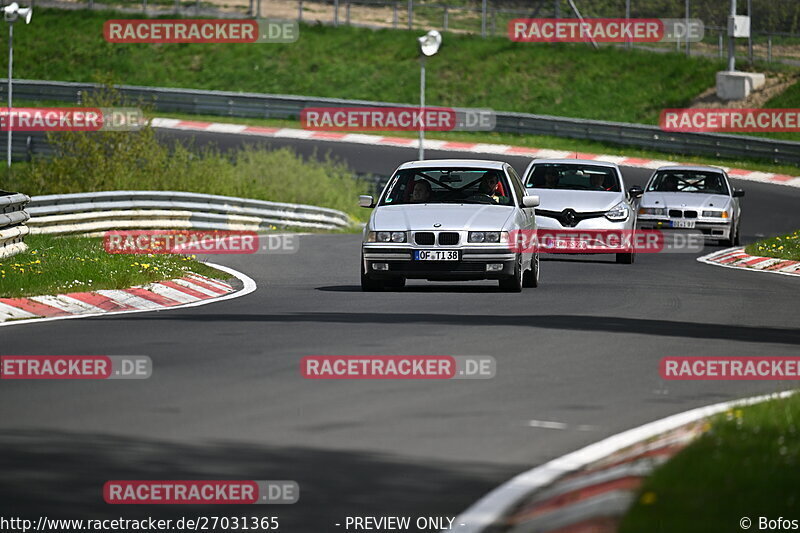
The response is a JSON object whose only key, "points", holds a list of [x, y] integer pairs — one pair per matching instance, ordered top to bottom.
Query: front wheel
{"points": [[626, 259], [531, 277], [514, 283], [369, 284]]}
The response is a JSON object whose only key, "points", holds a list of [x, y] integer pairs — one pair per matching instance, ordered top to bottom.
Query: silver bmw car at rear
{"points": [[693, 198], [443, 220]]}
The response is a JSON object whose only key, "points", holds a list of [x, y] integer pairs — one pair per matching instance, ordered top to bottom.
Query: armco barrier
{"points": [[257, 105], [92, 213], [12, 223]]}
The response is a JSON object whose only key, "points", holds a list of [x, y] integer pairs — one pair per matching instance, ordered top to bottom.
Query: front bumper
{"points": [[552, 227], [711, 229], [393, 261]]}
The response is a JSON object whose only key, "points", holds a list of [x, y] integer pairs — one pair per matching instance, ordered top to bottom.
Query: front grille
{"points": [[675, 213], [690, 214], [425, 238], [448, 238]]}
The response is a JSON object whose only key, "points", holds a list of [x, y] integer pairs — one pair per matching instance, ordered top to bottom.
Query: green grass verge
{"points": [[347, 62], [783, 247], [54, 265], [746, 465]]}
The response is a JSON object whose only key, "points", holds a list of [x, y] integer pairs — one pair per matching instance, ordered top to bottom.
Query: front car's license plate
{"points": [[685, 224], [436, 255]]}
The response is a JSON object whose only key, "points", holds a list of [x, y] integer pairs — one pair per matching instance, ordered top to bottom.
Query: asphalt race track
{"points": [[227, 401]]}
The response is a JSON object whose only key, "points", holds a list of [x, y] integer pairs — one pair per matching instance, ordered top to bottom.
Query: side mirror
{"points": [[636, 191], [738, 193], [365, 200], [530, 200]]}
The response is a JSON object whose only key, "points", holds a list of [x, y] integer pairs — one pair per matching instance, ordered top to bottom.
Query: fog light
{"points": [[380, 266], [494, 267]]}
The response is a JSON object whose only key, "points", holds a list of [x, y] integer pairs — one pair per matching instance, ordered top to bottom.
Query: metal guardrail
{"points": [[255, 105], [92, 213], [12, 223]]}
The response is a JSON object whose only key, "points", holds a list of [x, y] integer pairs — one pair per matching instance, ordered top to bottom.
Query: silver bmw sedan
{"points": [[450, 219]]}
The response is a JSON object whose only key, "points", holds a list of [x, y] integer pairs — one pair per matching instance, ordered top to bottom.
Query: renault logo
{"points": [[569, 217]]}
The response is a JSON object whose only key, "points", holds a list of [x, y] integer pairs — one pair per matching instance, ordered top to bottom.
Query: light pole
{"points": [[11, 13], [428, 44]]}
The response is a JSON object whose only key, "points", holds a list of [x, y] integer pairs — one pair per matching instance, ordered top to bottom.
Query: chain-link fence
{"points": [[775, 24]]}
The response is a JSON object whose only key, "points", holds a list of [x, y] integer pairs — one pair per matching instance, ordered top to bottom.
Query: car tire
{"points": [[734, 237], [626, 259], [530, 279], [368, 283], [513, 283]]}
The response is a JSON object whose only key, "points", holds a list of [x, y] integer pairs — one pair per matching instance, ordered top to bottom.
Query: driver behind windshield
{"points": [[551, 178], [490, 186], [421, 192]]}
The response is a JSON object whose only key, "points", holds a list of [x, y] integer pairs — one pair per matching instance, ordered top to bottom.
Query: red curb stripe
{"points": [[194, 124], [261, 130], [328, 135], [395, 140], [457, 146], [522, 150], [581, 155], [635, 161], [739, 172], [781, 177], [731, 258], [755, 260], [781, 264], [217, 283], [212, 288], [186, 290], [153, 297], [98, 300], [33, 307], [629, 483]]}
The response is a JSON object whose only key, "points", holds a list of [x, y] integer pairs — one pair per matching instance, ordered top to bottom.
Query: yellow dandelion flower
{"points": [[648, 498]]}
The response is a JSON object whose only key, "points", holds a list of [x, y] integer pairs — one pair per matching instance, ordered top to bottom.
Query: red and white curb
{"points": [[476, 148], [737, 258], [189, 291], [594, 485]]}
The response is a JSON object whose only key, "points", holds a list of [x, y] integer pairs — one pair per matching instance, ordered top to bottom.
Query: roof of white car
{"points": [[575, 162], [454, 163], [689, 167]]}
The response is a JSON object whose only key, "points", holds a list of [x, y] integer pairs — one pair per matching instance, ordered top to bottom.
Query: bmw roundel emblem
{"points": [[437, 225]]}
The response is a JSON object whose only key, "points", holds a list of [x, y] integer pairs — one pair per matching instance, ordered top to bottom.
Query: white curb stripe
{"points": [[214, 282], [194, 287], [172, 294], [125, 298], [65, 303], [8, 312], [497, 503]]}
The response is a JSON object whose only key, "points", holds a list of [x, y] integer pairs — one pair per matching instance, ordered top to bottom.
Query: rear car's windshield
{"points": [[573, 176], [701, 181], [449, 186]]}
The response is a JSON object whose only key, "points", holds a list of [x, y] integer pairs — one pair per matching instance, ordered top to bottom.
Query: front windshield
{"points": [[573, 177], [701, 181], [449, 186]]}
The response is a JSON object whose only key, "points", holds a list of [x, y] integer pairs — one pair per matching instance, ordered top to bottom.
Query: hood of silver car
{"points": [[682, 200], [580, 201], [449, 217]]}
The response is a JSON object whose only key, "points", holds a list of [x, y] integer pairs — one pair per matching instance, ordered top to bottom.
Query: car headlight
{"points": [[660, 211], [618, 213], [715, 214], [387, 236], [487, 236]]}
